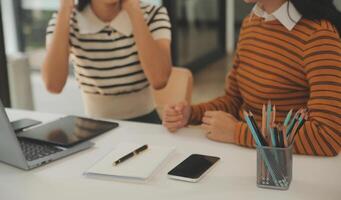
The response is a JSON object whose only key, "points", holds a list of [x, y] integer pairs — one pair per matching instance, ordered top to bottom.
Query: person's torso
{"points": [[271, 66], [108, 70]]}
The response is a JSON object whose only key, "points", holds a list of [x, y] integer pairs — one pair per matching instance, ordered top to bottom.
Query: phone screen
{"points": [[194, 166]]}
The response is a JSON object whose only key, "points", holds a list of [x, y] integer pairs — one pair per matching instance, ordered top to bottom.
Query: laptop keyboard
{"points": [[34, 151]]}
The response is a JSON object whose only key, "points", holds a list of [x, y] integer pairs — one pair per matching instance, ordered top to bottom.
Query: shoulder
{"points": [[151, 10], [249, 21], [319, 29], [324, 44]]}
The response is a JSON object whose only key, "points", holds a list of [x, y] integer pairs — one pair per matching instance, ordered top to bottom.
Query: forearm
{"points": [[155, 59], [56, 63], [224, 103], [317, 139]]}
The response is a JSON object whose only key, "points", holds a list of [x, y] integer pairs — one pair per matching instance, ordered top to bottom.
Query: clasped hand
{"points": [[220, 126]]}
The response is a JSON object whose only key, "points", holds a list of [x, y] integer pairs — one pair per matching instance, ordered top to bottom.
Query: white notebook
{"points": [[140, 167]]}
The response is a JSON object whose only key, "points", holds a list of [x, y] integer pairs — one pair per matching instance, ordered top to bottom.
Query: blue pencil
{"points": [[287, 119], [258, 143]]}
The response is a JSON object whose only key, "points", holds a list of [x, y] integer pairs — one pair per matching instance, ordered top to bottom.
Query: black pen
{"points": [[130, 155]]}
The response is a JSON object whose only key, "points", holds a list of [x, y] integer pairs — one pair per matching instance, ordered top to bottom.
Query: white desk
{"points": [[233, 178]]}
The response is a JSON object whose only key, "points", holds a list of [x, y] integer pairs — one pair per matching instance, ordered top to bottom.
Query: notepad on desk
{"points": [[140, 167]]}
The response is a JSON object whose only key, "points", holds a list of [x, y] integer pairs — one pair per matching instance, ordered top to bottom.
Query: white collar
{"points": [[289, 19], [89, 23]]}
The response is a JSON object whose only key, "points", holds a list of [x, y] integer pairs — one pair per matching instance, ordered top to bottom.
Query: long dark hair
{"points": [[82, 4], [318, 10]]}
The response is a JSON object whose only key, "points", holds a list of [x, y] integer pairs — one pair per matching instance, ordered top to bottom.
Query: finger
{"points": [[181, 106], [169, 107], [172, 112], [210, 113], [231, 117], [175, 118], [207, 120], [173, 125], [206, 127], [173, 130], [215, 135], [212, 136], [220, 137]]}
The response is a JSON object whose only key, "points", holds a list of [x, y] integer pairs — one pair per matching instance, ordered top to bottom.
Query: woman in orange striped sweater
{"points": [[291, 57]]}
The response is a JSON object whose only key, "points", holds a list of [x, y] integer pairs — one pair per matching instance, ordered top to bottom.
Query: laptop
{"points": [[28, 154]]}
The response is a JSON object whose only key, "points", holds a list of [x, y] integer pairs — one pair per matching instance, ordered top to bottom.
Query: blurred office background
{"points": [[204, 37]]}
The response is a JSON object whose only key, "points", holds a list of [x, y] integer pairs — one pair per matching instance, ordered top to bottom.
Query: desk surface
{"points": [[234, 177]]}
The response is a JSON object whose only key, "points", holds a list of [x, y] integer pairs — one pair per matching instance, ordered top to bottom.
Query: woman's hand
{"points": [[176, 116], [220, 126]]}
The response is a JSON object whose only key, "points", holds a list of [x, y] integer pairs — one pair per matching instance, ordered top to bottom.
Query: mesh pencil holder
{"points": [[274, 167]]}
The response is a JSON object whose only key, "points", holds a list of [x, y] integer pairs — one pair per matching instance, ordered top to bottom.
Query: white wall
{"points": [[10, 32], [230, 33]]}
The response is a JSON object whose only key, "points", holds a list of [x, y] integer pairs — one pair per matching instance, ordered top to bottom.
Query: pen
{"points": [[130, 155]]}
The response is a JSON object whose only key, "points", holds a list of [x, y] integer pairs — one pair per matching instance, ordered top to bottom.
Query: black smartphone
{"points": [[22, 124], [193, 168]]}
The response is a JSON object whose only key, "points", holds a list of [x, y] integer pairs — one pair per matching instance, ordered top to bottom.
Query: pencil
{"points": [[273, 114], [268, 117], [252, 119], [287, 119], [264, 122], [292, 123], [297, 127], [252, 129], [292, 134], [276, 139], [285, 140], [263, 153]]}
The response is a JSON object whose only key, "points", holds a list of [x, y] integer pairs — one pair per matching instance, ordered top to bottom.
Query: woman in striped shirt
{"points": [[119, 49], [291, 57]]}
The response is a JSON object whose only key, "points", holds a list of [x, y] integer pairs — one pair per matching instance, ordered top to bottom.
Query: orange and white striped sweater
{"points": [[293, 69]]}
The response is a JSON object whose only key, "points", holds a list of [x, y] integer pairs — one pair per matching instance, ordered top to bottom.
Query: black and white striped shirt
{"points": [[106, 62]]}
